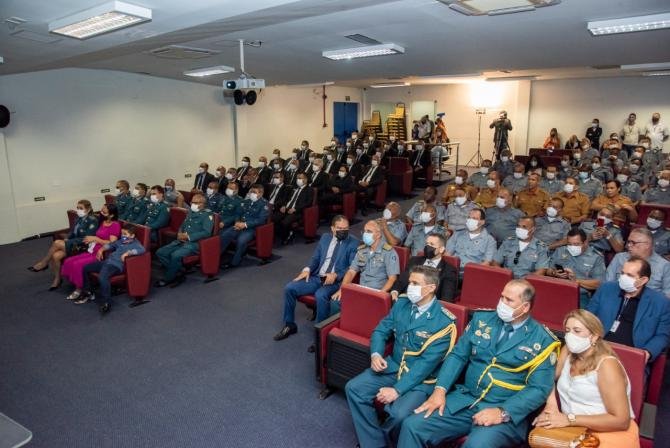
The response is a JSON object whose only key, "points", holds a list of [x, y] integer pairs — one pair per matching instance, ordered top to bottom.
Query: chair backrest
{"points": [[398, 165], [187, 196], [110, 199], [646, 208], [177, 217], [71, 218], [215, 227], [143, 235], [403, 256], [454, 261], [482, 285], [554, 298], [362, 308], [461, 313], [633, 361], [656, 379]]}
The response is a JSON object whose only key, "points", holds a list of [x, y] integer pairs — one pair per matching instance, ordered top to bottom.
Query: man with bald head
{"points": [[657, 132], [393, 227]]}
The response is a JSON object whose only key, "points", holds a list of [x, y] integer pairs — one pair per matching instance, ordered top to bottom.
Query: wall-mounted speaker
{"points": [[4, 116]]}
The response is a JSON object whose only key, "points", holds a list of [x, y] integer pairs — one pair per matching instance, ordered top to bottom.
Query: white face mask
{"points": [[354, 136], [371, 138], [392, 138], [333, 144], [348, 144], [366, 145], [645, 145], [303, 147], [400, 147], [419, 147], [577, 155], [329, 157], [311, 159], [504, 159], [350, 162], [245, 163], [374, 163], [533, 163], [565, 163], [261, 164], [276, 166], [595, 166], [316, 168], [633, 168], [484, 169], [201, 170], [217, 174], [342, 174], [518, 175], [551, 175], [230, 176], [622, 178], [458, 180], [275, 181], [300, 182], [491, 183], [663, 183], [568, 188], [117, 191], [210, 191], [230, 192], [136, 193], [253, 197], [154, 199], [460, 200], [500, 203], [195, 208], [552, 212], [81, 213], [387, 214], [425, 217], [653, 223], [471, 224], [522, 233], [575, 251], [627, 283], [414, 293], [506, 312], [577, 344]]}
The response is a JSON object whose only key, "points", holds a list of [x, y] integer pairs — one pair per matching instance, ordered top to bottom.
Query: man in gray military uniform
{"points": [[478, 179], [517, 181], [550, 182], [588, 184], [629, 187], [661, 193], [429, 197], [459, 209], [502, 218], [552, 228], [394, 230], [603, 234], [660, 234], [416, 240], [474, 244], [523, 254], [376, 261], [580, 263]]}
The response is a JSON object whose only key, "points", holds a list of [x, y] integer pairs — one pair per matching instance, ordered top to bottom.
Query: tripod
{"points": [[476, 159]]}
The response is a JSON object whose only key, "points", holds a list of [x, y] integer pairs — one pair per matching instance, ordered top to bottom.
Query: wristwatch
{"points": [[504, 415], [572, 419]]}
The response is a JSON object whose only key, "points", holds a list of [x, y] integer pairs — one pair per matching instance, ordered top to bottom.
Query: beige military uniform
{"points": [[532, 203]]}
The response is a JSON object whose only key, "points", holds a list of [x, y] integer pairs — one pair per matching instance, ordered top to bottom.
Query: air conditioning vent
{"points": [[363, 39], [182, 52]]}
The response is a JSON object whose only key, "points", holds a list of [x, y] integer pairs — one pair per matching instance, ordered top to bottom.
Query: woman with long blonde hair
{"points": [[592, 386]]}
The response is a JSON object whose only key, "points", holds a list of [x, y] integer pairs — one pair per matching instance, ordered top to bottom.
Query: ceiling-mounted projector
{"points": [[244, 84]]}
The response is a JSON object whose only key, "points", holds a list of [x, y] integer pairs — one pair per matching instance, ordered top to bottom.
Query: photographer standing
{"points": [[502, 126]]}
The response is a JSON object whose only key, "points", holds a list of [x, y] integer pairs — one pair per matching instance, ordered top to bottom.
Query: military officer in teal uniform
{"points": [[123, 198], [214, 198], [138, 207], [230, 208], [254, 213], [158, 215], [197, 225], [523, 254], [423, 333], [509, 361]]}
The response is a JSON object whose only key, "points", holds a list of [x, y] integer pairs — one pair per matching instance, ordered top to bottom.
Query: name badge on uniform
{"points": [[615, 326]]}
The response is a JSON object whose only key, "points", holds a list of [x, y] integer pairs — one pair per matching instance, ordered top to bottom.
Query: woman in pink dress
{"points": [[108, 231]]}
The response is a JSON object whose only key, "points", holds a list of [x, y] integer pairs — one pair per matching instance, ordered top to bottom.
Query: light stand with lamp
{"points": [[476, 159]]}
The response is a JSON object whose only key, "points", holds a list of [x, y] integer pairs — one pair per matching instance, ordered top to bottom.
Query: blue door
{"points": [[345, 120]]}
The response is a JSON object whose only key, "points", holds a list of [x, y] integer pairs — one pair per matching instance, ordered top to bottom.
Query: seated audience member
{"points": [[552, 141], [572, 143], [401, 150], [588, 150], [304, 152], [341, 156], [360, 156], [614, 159], [420, 160], [277, 162], [330, 165], [534, 165], [505, 166], [309, 167], [356, 167], [568, 167], [243, 169], [263, 171], [291, 172], [600, 172], [637, 174], [231, 175], [220, 177], [203, 178], [318, 178], [478, 179], [246, 181], [460, 181], [517, 181], [550, 182], [588, 184], [338, 185], [367, 185], [629, 188], [278, 193], [659, 194], [213, 196], [173, 197], [486, 197], [123, 198], [429, 198], [532, 201], [575, 204], [231, 207], [137, 210], [458, 210], [624, 210], [254, 212], [158, 215], [285, 215], [502, 218], [85, 225], [197, 225], [393, 228], [552, 228], [108, 231], [659, 233], [603, 234], [416, 240], [474, 244], [641, 244], [523, 254], [432, 257], [376, 261], [580, 263], [113, 265], [322, 277], [634, 314], [401, 381], [592, 385], [485, 407]]}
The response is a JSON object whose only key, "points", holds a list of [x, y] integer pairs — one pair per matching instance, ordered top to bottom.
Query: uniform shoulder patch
{"points": [[615, 226], [360, 246], [387, 246], [448, 313], [551, 333]]}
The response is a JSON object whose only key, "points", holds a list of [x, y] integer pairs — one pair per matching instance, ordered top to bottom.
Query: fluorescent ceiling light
{"points": [[496, 7], [100, 19], [629, 24], [363, 52], [2, 60], [652, 66], [208, 71], [661, 73], [512, 78], [390, 84]]}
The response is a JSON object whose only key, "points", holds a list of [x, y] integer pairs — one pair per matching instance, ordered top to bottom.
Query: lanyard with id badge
{"points": [[617, 321]]}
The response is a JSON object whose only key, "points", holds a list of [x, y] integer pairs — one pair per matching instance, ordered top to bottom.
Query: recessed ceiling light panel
{"points": [[496, 7], [100, 19], [629, 24], [363, 52], [209, 71]]}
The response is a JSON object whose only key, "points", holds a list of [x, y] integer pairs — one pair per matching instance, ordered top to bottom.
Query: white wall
{"points": [[459, 101], [570, 105], [74, 132]]}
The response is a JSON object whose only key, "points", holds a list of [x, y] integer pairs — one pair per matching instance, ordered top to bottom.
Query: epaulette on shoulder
{"points": [[616, 226], [541, 243], [361, 246], [387, 246], [448, 313], [551, 333]]}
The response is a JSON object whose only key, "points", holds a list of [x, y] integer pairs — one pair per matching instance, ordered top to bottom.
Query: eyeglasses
{"points": [[634, 243], [516, 257]]}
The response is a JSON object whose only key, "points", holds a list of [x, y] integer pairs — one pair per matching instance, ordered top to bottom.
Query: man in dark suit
{"points": [[356, 141], [373, 143], [401, 150], [342, 151], [304, 153], [361, 157], [420, 160], [330, 164], [356, 169], [242, 171], [264, 171], [291, 172], [203, 178], [318, 179], [221, 180], [339, 184], [367, 185], [279, 193], [285, 216], [432, 256], [323, 276], [631, 313]]}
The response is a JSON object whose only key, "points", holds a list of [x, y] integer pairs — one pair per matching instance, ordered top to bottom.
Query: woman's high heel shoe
{"points": [[32, 268], [56, 286]]}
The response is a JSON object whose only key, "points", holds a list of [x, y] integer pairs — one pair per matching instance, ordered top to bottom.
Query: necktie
{"points": [[369, 175], [202, 176], [314, 176], [273, 196], [293, 200], [331, 263], [415, 312], [506, 334]]}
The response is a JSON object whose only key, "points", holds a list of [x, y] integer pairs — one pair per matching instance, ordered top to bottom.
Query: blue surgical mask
{"points": [[368, 238], [124, 239]]}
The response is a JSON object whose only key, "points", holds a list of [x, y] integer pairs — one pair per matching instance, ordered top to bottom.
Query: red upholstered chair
{"points": [[400, 175], [187, 196], [380, 196], [110, 199], [644, 210], [309, 221], [63, 233], [169, 233], [209, 256], [403, 256], [454, 261], [482, 285], [554, 298], [461, 313], [343, 341], [633, 361], [654, 384]]}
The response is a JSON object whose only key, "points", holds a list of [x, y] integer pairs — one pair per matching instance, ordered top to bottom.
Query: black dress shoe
{"points": [[364, 212], [32, 269], [178, 281], [160, 283], [53, 288], [105, 308], [285, 332]]}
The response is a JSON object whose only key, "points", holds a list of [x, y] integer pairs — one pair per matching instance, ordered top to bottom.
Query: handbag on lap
{"points": [[568, 437]]}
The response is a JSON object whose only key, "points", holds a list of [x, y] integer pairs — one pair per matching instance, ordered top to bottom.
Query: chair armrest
{"points": [[138, 274]]}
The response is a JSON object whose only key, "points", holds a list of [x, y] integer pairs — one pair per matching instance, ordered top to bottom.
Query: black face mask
{"points": [[341, 235], [429, 252]]}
